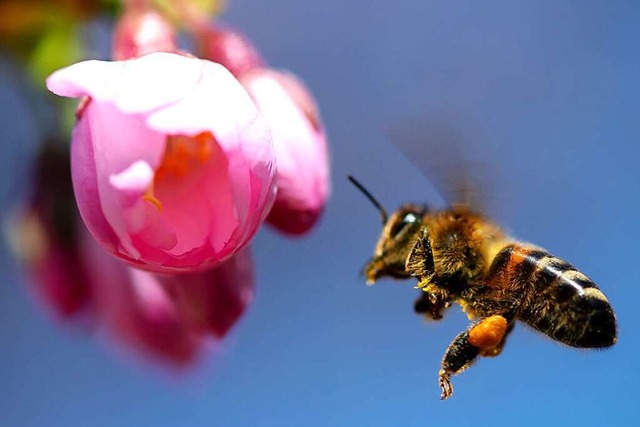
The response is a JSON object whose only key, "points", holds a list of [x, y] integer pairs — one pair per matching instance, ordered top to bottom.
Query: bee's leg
{"points": [[420, 262], [433, 300], [432, 305], [463, 350], [457, 358]]}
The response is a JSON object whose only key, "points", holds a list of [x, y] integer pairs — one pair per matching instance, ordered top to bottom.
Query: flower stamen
{"points": [[184, 153], [181, 155], [151, 198]]}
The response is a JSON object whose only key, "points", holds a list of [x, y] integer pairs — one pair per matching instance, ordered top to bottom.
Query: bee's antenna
{"points": [[376, 203]]}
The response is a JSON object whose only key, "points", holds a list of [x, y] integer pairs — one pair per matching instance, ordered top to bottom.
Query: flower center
{"points": [[181, 155]]}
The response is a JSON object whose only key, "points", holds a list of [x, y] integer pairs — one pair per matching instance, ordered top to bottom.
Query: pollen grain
{"points": [[489, 332]]}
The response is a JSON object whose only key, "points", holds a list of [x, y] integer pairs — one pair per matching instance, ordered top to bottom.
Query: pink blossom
{"points": [[142, 30], [230, 48], [300, 146], [172, 163], [43, 234], [54, 274], [211, 302], [135, 309], [168, 318]]}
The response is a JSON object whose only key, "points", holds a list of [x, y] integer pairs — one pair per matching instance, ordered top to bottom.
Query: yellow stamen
{"points": [[151, 198]]}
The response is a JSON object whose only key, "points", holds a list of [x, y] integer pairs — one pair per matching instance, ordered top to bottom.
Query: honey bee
{"points": [[460, 256]]}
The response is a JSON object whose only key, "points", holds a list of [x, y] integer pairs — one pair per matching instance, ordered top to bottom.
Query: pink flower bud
{"points": [[141, 30], [229, 48], [299, 142], [172, 163], [44, 236], [211, 302], [135, 309], [168, 317]]}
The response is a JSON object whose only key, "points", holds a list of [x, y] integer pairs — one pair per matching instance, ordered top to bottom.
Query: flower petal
{"points": [[135, 86], [300, 148], [132, 182]]}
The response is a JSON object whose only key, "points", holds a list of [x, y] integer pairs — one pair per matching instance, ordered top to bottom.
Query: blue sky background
{"points": [[547, 93]]}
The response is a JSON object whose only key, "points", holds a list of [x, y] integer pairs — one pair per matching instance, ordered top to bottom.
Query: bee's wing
{"points": [[444, 156]]}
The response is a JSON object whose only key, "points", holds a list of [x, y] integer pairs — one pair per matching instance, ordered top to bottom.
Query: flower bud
{"points": [[141, 30], [229, 48], [300, 146], [172, 164], [44, 235], [211, 302], [136, 310], [168, 317]]}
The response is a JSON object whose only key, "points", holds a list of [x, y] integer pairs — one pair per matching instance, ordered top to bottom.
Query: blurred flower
{"points": [[141, 30], [229, 48], [299, 138], [172, 163], [44, 235], [212, 302], [135, 309], [167, 317]]}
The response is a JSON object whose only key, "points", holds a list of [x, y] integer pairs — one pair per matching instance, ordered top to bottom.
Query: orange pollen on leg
{"points": [[489, 332]]}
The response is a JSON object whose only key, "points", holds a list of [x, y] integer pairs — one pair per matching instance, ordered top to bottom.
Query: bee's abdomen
{"points": [[558, 300]]}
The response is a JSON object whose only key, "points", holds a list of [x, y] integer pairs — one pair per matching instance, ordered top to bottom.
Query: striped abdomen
{"points": [[557, 299]]}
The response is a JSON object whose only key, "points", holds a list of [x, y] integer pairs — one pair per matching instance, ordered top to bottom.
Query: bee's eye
{"points": [[410, 218], [407, 220], [397, 228]]}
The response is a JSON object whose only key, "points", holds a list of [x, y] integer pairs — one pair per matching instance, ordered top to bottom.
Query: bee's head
{"points": [[399, 234]]}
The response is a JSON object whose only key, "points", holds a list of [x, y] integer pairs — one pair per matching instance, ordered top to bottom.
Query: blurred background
{"points": [[546, 94]]}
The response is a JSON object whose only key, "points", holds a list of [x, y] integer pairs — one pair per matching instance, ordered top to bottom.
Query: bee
{"points": [[460, 256]]}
